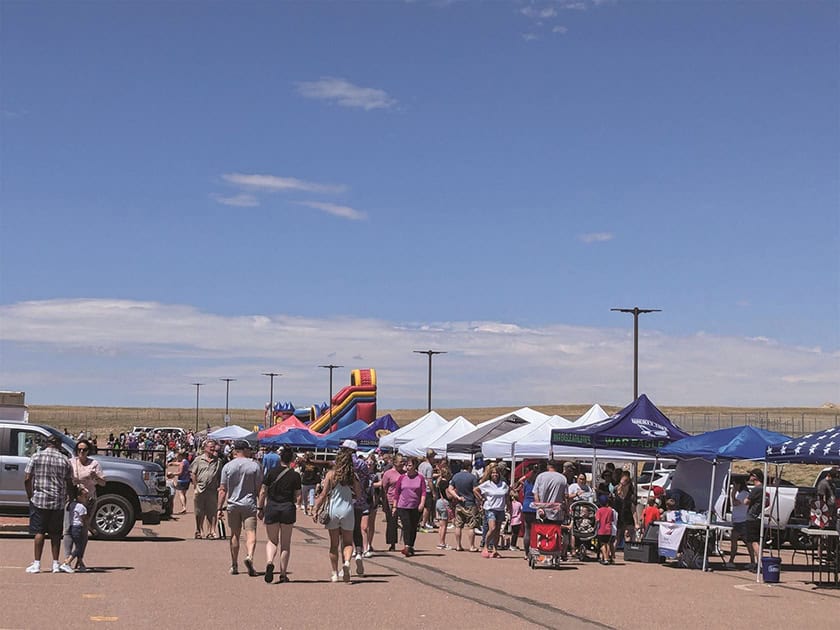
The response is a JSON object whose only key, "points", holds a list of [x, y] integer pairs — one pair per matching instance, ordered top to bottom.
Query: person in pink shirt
{"points": [[388, 492], [410, 492], [515, 520]]}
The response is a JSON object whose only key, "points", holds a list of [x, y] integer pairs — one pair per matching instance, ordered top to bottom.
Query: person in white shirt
{"points": [[580, 490], [738, 493], [495, 495]]}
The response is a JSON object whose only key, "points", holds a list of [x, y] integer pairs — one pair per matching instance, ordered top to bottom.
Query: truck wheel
{"points": [[113, 517]]}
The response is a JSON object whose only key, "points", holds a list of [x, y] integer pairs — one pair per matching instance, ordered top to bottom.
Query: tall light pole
{"points": [[636, 312], [430, 354], [330, 367], [271, 375], [197, 389], [227, 398]]}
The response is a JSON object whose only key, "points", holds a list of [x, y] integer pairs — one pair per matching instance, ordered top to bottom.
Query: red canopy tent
{"points": [[281, 427]]}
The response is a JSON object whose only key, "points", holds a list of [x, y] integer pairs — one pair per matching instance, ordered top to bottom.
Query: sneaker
{"points": [[368, 553], [486, 554], [249, 564], [730, 565], [360, 566], [35, 567], [64, 568], [234, 570], [269, 573], [345, 573], [334, 577]]}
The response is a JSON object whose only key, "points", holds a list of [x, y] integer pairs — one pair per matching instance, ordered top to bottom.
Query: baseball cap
{"points": [[351, 444], [241, 445], [658, 491]]}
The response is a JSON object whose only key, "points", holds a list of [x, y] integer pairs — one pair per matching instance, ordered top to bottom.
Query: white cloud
{"points": [[573, 5], [539, 14], [562, 30], [530, 37], [344, 93], [273, 183], [241, 200], [345, 212], [596, 237], [109, 352]]}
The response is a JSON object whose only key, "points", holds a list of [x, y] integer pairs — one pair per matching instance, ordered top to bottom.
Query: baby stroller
{"points": [[584, 527], [547, 546]]}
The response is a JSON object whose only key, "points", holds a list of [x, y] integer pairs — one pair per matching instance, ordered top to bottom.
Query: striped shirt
{"points": [[50, 472]]}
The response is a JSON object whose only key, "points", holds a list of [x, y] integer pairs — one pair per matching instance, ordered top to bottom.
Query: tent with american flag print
{"points": [[822, 447]]}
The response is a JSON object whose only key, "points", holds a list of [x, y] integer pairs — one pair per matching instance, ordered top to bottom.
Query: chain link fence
{"points": [[793, 425]]}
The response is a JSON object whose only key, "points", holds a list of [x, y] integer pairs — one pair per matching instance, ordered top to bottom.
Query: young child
{"points": [[650, 514], [515, 520], [606, 521], [78, 525]]}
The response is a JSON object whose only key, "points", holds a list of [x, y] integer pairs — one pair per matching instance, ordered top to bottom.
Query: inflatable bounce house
{"points": [[356, 402]]}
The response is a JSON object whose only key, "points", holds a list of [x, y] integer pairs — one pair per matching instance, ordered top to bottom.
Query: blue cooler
{"points": [[770, 570]]}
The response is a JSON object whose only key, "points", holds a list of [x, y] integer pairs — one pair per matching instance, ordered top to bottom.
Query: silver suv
{"points": [[133, 490]]}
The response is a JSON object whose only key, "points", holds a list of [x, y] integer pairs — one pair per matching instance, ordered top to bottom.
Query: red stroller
{"points": [[547, 544]]}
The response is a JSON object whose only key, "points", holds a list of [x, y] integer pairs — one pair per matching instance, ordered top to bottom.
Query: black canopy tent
{"points": [[472, 441]]}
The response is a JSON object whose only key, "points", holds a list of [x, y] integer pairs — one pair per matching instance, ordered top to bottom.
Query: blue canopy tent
{"points": [[369, 436], [296, 438], [334, 439], [743, 442], [815, 448]]}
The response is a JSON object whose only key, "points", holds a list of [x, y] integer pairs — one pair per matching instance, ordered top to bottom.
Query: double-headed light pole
{"points": [[636, 311], [430, 354], [330, 367], [271, 376], [197, 389], [227, 398]]}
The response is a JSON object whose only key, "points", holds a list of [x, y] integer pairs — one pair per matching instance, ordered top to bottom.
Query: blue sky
{"points": [[200, 190]]}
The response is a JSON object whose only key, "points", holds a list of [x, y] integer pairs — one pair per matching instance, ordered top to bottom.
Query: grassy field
{"points": [[101, 421]]}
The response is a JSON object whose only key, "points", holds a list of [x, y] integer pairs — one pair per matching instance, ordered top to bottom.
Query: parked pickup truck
{"points": [[133, 490]]}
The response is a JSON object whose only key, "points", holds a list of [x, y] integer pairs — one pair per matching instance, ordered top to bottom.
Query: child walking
{"points": [[515, 520], [606, 520], [78, 525]]}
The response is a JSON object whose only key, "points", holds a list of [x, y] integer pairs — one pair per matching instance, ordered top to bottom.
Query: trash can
{"points": [[770, 569]]}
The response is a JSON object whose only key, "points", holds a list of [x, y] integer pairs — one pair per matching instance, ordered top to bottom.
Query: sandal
{"points": [[198, 535], [210, 537], [474, 549]]}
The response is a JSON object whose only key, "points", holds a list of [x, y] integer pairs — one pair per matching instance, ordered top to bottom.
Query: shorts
{"points": [[182, 485], [430, 501], [206, 504], [442, 509], [283, 513], [495, 515], [466, 516], [240, 518], [43, 521], [345, 521], [739, 530], [753, 531], [604, 539]]}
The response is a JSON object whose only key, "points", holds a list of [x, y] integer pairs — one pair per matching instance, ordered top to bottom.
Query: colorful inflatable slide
{"points": [[356, 402]]}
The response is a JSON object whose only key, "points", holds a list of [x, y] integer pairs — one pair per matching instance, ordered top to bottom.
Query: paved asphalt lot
{"points": [[162, 576]]}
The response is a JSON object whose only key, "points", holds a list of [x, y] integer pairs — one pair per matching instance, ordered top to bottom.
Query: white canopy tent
{"points": [[526, 413], [593, 415], [422, 426], [232, 432], [438, 439], [529, 440]]}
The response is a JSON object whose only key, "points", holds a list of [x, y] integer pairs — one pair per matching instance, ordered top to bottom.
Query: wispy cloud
{"points": [[575, 5], [538, 13], [560, 29], [530, 37], [346, 94], [273, 183], [242, 200], [345, 212], [596, 237], [146, 354]]}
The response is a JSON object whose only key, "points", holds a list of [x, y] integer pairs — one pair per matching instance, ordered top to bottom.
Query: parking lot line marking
{"points": [[6, 567], [92, 595], [101, 618]]}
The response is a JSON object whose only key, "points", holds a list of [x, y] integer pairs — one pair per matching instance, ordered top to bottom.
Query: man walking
{"points": [[206, 472], [48, 481], [240, 487], [552, 487], [461, 492]]}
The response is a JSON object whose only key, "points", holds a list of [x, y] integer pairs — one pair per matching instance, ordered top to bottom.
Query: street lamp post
{"points": [[636, 311], [430, 354], [330, 367], [271, 376], [197, 389], [227, 398]]}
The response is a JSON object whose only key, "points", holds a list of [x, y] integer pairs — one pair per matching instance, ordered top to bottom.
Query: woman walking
{"points": [[87, 473], [310, 477], [182, 481], [339, 486], [410, 492], [495, 494], [279, 495], [624, 498], [373, 500], [442, 507], [529, 512]]}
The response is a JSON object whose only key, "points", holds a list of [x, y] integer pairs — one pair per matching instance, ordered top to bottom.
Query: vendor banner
{"points": [[670, 537]]}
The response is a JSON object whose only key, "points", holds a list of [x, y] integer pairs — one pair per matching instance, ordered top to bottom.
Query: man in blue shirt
{"points": [[270, 460]]}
